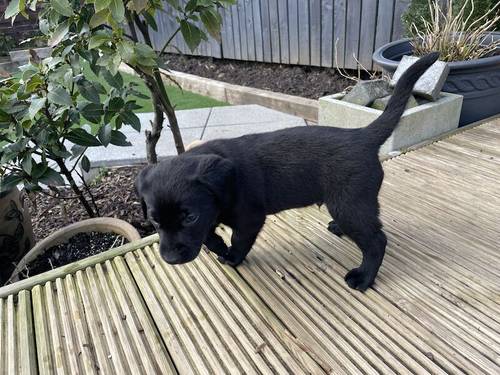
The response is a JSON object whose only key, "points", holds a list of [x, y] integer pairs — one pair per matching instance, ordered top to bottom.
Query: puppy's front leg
{"points": [[216, 244], [241, 244]]}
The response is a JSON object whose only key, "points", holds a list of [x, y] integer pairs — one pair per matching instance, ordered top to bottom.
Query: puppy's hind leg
{"points": [[360, 222]]}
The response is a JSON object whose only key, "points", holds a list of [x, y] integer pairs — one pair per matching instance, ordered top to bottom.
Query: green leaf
{"points": [[101, 5], [62, 7], [14, 8], [117, 10], [99, 18], [150, 20], [212, 21], [59, 33], [191, 34], [98, 39], [126, 51], [146, 56], [115, 81], [33, 83], [88, 91], [59, 96], [116, 104], [35, 107], [92, 112], [130, 118], [105, 134], [82, 138], [119, 139], [85, 163], [27, 164], [38, 169], [51, 178], [9, 182]]}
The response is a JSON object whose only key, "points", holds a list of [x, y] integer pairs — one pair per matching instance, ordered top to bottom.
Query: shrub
{"points": [[418, 11], [453, 34], [41, 115]]}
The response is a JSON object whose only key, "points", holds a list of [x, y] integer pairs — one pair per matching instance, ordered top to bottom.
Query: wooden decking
{"points": [[435, 307]]}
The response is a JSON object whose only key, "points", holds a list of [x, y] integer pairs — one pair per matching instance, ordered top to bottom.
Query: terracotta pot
{"points": [[100, 224], [16, 233]]}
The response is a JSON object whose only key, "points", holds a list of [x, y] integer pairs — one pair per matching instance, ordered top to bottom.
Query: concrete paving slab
{"points": [[245, 114], [189, 118], [204, 123], [228, 131], [116, 156]]}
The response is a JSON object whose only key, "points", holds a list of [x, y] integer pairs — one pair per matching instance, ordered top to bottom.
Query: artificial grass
{"points": [[180, 99]]}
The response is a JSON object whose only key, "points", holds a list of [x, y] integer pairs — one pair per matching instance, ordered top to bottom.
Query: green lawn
{"points": [[179, 98]]}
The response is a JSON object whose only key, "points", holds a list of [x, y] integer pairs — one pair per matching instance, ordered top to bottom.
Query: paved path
{"points": [[203, 123]]}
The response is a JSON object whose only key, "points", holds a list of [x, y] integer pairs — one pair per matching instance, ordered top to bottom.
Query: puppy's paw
{"points": [[335, 229], [229, 259], [357, 279]]}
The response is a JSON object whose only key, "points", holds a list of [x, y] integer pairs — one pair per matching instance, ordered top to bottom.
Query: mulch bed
{"points": [[306, 81], [115, 197], [78, 247]]}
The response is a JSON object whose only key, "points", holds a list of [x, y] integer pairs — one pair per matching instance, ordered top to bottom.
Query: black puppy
{"points": [[239, 181]]}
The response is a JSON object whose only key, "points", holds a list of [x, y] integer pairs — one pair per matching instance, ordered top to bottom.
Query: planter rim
{"points": [[379, 58], [99, 224]]}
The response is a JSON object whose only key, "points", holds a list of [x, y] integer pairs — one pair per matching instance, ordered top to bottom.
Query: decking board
{"points": [[434, 309]]}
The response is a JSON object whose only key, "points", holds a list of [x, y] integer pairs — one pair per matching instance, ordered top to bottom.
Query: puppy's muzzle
{"points": [[178, 255]]}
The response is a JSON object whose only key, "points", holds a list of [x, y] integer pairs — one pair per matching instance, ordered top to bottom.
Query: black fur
{"points": [[239, 181]]}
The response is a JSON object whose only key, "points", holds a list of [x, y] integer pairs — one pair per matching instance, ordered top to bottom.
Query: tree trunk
{"points": [[159, 95], [153, 135], [65, 171]]}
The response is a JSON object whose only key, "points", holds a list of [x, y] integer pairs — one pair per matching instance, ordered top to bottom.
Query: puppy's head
{"points": [[182, 197]]}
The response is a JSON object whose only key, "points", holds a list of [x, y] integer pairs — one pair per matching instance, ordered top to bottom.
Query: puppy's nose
{"points": [[179, 248]]}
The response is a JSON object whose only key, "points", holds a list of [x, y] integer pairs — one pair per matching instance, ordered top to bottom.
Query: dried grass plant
{"points": [[454, 35]]}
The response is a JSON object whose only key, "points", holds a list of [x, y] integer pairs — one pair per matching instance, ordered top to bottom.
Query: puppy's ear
{"points": [[217, 174], [141, 183]]}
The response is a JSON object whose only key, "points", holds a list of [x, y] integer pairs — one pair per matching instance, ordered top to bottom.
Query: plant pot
{"points": [[477, 80], [416, 125], [100, 224], [16, 233]]}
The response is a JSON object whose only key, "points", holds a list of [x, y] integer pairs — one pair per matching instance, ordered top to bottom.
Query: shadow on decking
{"points": [[435, 307]]}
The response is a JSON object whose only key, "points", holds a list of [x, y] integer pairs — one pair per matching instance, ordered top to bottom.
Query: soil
{"points": [[306, 81], [115, 197], [78, 247]]}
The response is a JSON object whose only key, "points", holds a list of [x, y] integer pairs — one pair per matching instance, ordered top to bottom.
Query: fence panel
{"points": [[306, 32]]}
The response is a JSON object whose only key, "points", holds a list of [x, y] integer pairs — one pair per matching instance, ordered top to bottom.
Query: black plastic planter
{"points": [[477, 80]]}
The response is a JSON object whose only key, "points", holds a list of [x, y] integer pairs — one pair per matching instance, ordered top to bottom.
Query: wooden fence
{"points": [[306, 32]]}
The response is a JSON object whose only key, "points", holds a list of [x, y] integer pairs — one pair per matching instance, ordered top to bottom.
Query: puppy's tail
{"points": [[384, 125]]}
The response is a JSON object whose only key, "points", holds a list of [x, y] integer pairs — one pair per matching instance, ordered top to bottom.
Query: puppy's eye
{"points": [[190, 219]]}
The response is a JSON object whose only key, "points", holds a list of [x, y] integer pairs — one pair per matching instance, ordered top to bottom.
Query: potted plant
{"points": [[469, 45], [44, 134], [118, 229]]}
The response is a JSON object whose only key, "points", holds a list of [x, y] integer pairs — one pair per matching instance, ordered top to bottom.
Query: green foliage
{"points": [[419, 10], [41, 111]]}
